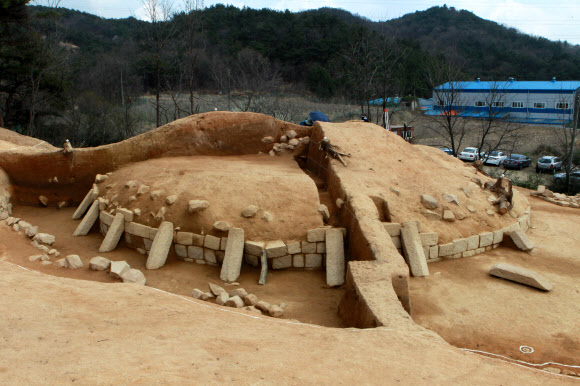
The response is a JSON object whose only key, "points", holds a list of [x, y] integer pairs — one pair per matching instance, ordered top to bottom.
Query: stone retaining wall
{"points": [[208, 249]]}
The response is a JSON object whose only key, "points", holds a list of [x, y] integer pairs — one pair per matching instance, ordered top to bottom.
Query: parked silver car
{"points": [[469, 154], [494, 158], [549, 164], [560, 178]]}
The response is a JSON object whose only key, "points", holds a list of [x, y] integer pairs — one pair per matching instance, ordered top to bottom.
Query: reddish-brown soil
{"points": [[471, 309]]}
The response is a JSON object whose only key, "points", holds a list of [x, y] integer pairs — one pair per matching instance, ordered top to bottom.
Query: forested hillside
{"points": [[67, 74]]}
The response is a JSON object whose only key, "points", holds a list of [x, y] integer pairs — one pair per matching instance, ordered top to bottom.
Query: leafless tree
{"points": [[566, 133]]}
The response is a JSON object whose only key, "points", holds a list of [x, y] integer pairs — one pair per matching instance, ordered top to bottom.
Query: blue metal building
{"points": [[537, 102]]}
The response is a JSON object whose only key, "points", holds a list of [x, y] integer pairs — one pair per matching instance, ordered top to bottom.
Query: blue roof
{"points": [[514, 86]]}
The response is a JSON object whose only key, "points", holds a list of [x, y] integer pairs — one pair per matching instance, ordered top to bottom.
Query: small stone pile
{"points": [[288, 141], [557, 198], [41, 241], [118, 270], [238, 298]]}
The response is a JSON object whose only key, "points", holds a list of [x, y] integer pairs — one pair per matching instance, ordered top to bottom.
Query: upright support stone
{"points": [[89, 198], [89, 220], [114, 234], [161, 246], [413, 249], [234, 253], [335, 264], [264, 271]]}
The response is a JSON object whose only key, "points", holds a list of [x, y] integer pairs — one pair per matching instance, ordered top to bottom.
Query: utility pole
{"points": [[573, 139]]}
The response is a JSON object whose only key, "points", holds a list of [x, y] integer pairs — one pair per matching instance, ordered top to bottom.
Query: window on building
{"points": [[480, 104], [497, 104], [517, 104], [539, 105], [562, 106]]}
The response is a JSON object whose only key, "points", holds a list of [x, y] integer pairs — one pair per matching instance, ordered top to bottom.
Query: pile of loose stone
{"points": [[288, 141], [557, 198], [41, 241], [118, 270], [239, 298]]}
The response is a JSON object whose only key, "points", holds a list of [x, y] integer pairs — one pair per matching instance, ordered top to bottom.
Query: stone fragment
{"points": [[291, 134], [268, 140], [100, 178], [131, 184], [143, 189], [541, 189], [467, 192], [451, 198], [43, 200], [170, 200], [87, 201], [429, 202], [339, 203], [195, 206], [471, 208], [323, 210], [250, 211], [489, 212], [127, 214], [160, 215], [431, 215], [267, 216], [448, 216], [88, 221], [24, 225], [222, 226], [15, 227], [392, 228], [32, 231], [114, 234], [316, 235], [498, 236], [44, 238], [429, 238], [485, 239], [521, 240], [212, 242], [473, 242], [161, 245], [459, 246], [254, 248], [276, 248], [294, 248], [413, 249], [434, 252], [35, 258], [335, 259], [313, 260], [46, 262], [74, 262], [282, 262], [60, 263], [99, 263], [232, 263], [118, 269], [520, 275], [134, 276], [216, 289], [238, 292], [196, 293], [207, 296], [222, 298], [250, 299], [235, 302], [263, 306], [276, 311]]}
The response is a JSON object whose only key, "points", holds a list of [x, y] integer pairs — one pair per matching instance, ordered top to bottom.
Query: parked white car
{"points": [[469, 154], [494, 158]]}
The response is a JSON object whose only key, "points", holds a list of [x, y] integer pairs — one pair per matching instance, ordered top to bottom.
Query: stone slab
{"points": [[87, 201], [89, 220], [392, 228], [137, 229], [114, 233], [316, 235], [429, 239], [485, 239], [521, 240], [212, 242], [472, 242], [161, 245], [254, 248], [276, 248], [413, 249], [335, 259], [282, 262], [232, 263], [520, 275]]}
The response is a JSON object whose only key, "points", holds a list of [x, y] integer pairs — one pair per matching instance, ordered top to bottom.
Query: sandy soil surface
{"points": [[306, 295], [471, 309]]}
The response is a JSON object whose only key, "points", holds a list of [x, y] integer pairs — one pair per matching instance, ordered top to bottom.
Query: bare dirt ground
{"points": [[307, 297], [471, 309]]}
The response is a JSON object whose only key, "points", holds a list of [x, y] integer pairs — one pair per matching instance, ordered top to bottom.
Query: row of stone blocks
{"points": [[464, 247], [210, 249]]}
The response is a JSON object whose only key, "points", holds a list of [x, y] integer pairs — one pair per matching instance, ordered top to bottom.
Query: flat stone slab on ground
{"points": [[99, 263], [520, 275]]}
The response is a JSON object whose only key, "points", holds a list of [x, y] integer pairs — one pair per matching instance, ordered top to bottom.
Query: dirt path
{"points": [[307, 297], [471, 309]]}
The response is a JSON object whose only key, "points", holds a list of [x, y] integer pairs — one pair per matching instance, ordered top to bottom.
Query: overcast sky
{"points": [[555, 20]]}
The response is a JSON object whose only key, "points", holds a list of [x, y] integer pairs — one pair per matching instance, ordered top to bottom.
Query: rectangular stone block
{"points": [[127, 214], [106, 218], [392, 228], [137, 229], [153, 233], [114, 234], [316, 235], [498, 236], [184, 238], [429, 239], [485, 239], [198, 240], [521, 240], [212, 242], [396, 242], [472, 242], [223, 244], [161, 245], [459, 246], [308, 247], [320, 247], [254, 248], [276, 248], [294, 248], [488, 248], [413, 249], [426, 249], [446, 249], [181, 250], [479, 250], [194, 252], [434, 252], [469, 253], [209, 255], [457, 255], [335, 259], [298, 260], [312, 260], [282, 262], [232, 263], [521, 275]]}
